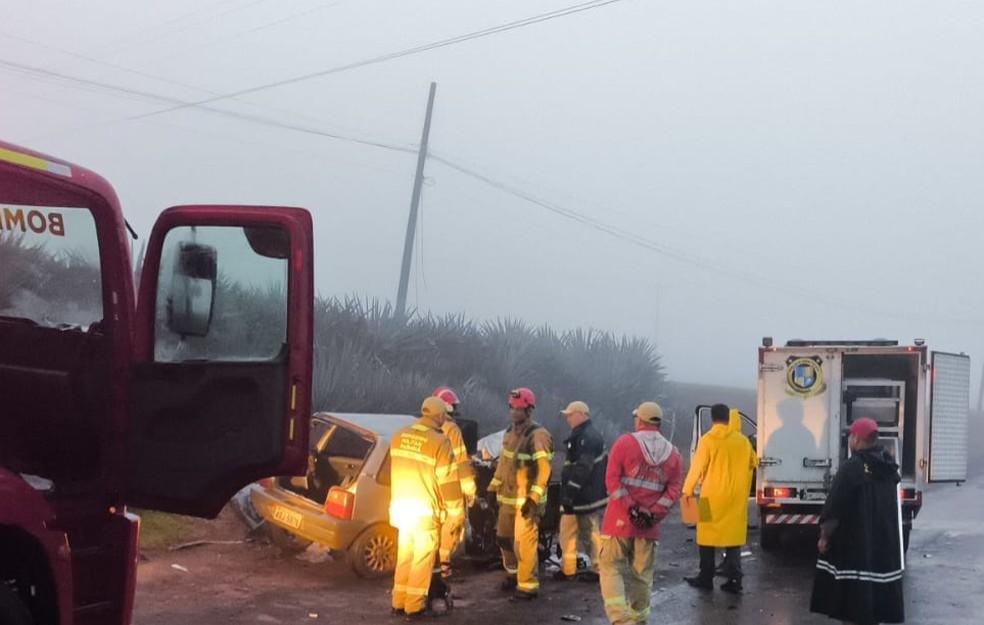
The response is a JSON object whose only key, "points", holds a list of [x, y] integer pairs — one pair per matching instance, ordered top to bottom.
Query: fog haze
{"points": [[793, 169]]}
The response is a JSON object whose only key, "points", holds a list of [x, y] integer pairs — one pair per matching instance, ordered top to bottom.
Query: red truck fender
{"points": [[25, 527]]}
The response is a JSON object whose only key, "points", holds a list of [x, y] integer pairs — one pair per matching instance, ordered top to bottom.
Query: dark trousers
{"points": [[731, 566]]}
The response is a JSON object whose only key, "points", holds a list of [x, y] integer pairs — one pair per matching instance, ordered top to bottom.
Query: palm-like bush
{"points": [[367, 359]]}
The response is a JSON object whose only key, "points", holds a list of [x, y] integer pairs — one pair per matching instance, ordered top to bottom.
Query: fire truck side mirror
{"points": [[190, 297]]}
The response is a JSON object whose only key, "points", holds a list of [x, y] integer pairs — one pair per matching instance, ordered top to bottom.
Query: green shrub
{"points": [[368, 360]]}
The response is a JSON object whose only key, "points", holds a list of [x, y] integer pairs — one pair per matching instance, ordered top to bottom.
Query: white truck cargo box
{"points": [[809, 393]]}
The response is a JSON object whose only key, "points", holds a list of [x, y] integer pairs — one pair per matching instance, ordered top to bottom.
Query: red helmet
{"points": [[447, 394], [522, 398]]}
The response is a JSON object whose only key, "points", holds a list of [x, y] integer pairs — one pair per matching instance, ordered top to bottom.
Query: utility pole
{"points": [[418, 181]]}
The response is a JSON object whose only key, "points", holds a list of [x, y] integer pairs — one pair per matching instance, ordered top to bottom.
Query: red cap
{"points": [[864, 428]]}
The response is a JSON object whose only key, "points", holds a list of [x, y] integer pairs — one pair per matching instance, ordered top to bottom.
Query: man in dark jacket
{"points": [[582, 492], [859, 570]]}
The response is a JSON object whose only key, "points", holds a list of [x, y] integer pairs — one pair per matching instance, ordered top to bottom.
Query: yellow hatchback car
{"points": [[343, 501]]}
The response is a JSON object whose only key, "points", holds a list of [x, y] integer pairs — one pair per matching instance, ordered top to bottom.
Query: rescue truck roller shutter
{"points": [[809, 393]]}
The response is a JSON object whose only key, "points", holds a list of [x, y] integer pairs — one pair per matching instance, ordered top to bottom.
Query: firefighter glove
{"points": [[529, 509], [641, 519]]}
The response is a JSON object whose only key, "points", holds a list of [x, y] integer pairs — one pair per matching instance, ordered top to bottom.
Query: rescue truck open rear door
{"points": [[949, 412], [796, 440]]}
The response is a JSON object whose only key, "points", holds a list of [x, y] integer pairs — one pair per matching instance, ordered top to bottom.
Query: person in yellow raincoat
{"points": [[722, 468]]}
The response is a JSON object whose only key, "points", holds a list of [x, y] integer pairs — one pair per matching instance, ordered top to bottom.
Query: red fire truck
{"points": [[169, 396]]}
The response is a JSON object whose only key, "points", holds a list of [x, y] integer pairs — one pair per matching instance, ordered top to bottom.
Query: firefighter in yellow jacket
{"points": [[520, 484], [425, 494], [453, 532]]}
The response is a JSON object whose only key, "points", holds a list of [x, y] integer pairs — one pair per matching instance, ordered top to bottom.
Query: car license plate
{"points": [[287, 517]]}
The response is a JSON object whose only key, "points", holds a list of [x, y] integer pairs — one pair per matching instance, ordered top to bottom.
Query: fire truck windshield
{"points": [[50, 261]]}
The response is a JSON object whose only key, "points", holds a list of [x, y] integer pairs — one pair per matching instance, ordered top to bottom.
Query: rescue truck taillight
{"points": [[911, 494], [769, 495], [339, 503]]}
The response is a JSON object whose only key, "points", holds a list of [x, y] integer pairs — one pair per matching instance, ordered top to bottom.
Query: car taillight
{"points": [[267, 482], [339, 503]]}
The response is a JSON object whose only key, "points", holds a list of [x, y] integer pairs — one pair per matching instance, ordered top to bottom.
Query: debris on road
{"points": [[199, 543], [315, 554], [178, 567], [573, 618]]}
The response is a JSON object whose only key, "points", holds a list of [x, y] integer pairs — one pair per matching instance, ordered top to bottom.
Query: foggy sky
{"points": [[818, 164]]}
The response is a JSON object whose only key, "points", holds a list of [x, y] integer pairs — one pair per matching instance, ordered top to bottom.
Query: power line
{"points": [[322, 6], [521, 23], [160, 30], [136, 72], [147, 95], [178, 104], [683, 257]]}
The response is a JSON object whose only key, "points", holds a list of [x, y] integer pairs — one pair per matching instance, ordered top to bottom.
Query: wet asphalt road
{"points": [[254, 584]]}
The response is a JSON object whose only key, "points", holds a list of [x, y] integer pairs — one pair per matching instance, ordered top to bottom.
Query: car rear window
{"points": [[318, 429], [347, 443]]}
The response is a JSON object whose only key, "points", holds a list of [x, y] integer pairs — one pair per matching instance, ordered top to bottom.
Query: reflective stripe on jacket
{"points": [[524, 465], [645, 470], [466, 473], [582, 480], [425, 485]]}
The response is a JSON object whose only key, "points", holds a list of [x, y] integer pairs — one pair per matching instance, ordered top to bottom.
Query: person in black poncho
{"points": [[859, 571]]}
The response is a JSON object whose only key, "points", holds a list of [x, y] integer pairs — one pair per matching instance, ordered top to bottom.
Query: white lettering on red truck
{"points": [[34, 220]]}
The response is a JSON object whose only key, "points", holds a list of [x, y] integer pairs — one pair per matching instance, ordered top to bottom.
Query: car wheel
{"points": [[287, 542], [373, 554], [12, 609]]}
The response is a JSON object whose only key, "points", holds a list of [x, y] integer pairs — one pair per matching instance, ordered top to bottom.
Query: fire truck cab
{"points": [[170, 398]]}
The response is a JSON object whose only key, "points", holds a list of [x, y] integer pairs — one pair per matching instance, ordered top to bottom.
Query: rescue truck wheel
{"points": [[769, 537], [287, 542], [373, 554], [12, 609]]}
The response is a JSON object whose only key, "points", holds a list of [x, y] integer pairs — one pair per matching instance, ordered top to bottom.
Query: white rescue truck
{"points": [[809, 393]]}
